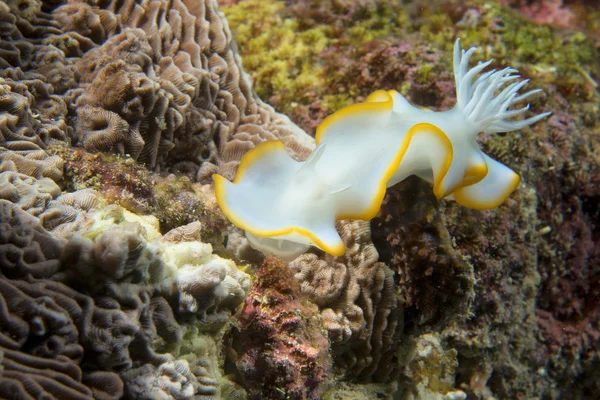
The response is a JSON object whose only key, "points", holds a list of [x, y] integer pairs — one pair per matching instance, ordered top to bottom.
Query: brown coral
{"points": [[173, 75], [102, 130], [22, 135], [25, 247], [359, 304], [40, 345], [29, 377]]}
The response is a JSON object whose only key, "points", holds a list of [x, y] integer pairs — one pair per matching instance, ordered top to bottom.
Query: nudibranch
{"points": [[285, 206]]}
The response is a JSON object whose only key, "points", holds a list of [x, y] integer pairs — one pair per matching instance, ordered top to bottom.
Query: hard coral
{"points": [[175, 79], [23, 136], [175, 201], [26, 249], [358, 302], [125, 315], [51, 316], [281, 347]]}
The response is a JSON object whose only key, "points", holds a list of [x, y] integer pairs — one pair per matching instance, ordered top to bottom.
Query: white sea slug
{"points": [[285, 206]]}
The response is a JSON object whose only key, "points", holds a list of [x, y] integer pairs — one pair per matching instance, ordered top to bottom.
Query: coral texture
{"points": [[163, 84], [436, 283], [359, 304], [93, 311], [124, 320], [534, 325], [282, 350]]}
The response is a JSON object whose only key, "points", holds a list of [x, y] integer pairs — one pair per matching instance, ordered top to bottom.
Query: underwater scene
{"points": [[299, 200]]}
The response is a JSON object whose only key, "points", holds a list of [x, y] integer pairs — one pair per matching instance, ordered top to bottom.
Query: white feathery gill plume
{"points": [[477, 99]]}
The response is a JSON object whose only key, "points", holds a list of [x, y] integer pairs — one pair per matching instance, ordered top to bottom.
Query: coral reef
{"points": [[351, 48], [291, 76], [165, 86], [21, 134], [174, 200], [27, 249], [503, 250], [111, 286], [358, 302], [534, 327], [105, 342], [282, 350], [431, 370]]}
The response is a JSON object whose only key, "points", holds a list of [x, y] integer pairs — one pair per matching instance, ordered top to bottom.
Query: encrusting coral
{"points": [[281, 348]]}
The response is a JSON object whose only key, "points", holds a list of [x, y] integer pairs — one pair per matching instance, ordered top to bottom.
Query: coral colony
{"points": [[286, 206]]}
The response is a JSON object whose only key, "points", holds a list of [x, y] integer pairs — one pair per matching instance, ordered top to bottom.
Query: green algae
{"points": [[507, 36], [285, 48], [283, 51], [281, 58], [175, 201]]}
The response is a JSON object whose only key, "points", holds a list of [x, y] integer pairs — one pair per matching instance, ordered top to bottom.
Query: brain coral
{"points": [[161, 82], [165, 85], [358, 303], [84, 309], [125, 318]]}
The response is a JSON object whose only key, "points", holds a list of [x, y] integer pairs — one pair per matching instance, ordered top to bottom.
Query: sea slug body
{"points": [[285, 206]]}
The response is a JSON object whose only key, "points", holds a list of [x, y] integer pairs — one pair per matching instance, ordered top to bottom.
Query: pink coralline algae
{"points": [[546, 12], [282, 348]]}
